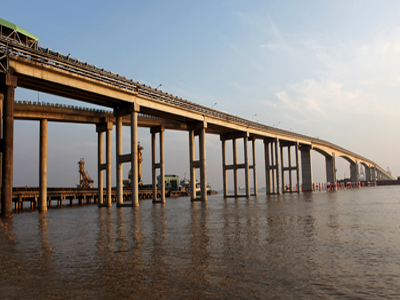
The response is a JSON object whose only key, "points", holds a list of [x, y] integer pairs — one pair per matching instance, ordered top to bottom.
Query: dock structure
{"points": [[23, 63], [60, 196]]}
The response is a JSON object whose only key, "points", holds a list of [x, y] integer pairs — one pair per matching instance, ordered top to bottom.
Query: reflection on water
{"points": [[313, 245]]}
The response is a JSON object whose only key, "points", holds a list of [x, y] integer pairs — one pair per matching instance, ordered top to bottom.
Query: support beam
{"points": [[8, 86], [43, 167], [306, 168]]}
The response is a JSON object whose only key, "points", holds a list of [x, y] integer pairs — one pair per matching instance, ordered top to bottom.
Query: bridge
{"points": [[23, 63]]}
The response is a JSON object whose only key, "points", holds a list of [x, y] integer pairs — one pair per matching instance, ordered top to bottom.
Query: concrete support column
{"points": [[10, 83], [100, 128], [200, 130], [1, 135], [118, 138], [134, 155], [192, 156], [267, 156], [108, 163], [246, 164], [154, 165], [160, 165], [43, 166], [254, 166], [290, 166], [100, 167], [203, 167], [272, 168], [297, 168], [306, 168], [330, 168], [283, 169], [235, 171], [367, 173], [354, 177], [373, 177], [225, 182], [278, 182]]}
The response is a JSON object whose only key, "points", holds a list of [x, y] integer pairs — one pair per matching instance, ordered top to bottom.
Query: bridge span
{"points": [[23, 63]]}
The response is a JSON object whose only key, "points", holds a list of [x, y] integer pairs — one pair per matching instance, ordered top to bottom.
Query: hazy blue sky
{"points": [[329, 69]]}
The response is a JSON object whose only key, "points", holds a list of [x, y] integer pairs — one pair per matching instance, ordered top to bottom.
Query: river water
{"points": [[321, 245]]}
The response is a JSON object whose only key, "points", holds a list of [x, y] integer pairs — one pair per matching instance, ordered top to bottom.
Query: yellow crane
{"points": [[85, 182], [128, 182]]}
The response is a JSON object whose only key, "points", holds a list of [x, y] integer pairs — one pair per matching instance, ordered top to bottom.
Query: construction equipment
{"points": [[85, 182], [128, 182]]}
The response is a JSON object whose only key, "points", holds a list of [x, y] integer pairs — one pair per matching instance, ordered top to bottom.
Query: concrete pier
{"points": [[8, 85], [135, 108], [106, 126], [198, 129], [118, 145], [246, 164], [160, 165], [43, 166], [203, 166], [235, 166], [253, 166], [100, 167], [290, 167], [272, 168], [306, 168], [330, 168], [235, 169], [224, 170], [367, 173], [354, 176]]}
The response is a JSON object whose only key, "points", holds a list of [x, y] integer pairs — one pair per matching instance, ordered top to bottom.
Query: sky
{"points": [[327, 69]]}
